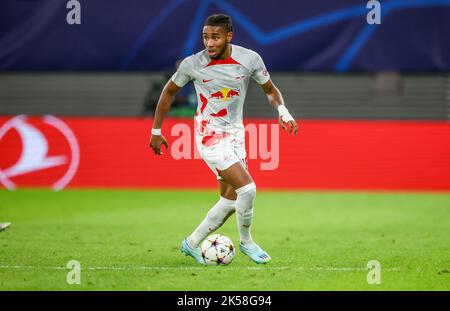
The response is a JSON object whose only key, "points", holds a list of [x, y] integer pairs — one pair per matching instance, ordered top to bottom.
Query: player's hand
{"points": [[291, 126], [156, 142]]}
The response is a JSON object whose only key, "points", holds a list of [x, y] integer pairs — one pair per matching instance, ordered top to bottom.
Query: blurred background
{"points": [[368, 81]]}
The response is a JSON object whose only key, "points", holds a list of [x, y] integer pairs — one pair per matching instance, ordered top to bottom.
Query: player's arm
{"points": [[275, 98], [163, 106]]}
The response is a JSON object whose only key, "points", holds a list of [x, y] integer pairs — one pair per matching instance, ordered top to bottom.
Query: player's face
{"points": [[216, 39]]}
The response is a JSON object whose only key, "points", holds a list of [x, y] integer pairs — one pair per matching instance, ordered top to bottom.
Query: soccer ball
{"points": [[217, 249]]}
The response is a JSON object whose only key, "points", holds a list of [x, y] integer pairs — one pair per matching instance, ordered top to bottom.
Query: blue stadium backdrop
{"points": [[324, 35]]}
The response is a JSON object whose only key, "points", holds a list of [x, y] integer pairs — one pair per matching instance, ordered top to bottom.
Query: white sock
{"points": [[244, 211], [215, 218]]}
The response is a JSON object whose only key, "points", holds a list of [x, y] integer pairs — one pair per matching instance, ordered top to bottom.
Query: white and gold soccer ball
{"points": [[217, 249]]}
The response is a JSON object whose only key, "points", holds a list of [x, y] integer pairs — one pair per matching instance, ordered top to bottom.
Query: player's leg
{"points": [[239, 178], [245, 188], [226, 190], [216, 216], [214, 219]]}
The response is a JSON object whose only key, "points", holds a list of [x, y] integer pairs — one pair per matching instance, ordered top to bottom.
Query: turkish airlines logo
{"points": [[37, 151]]}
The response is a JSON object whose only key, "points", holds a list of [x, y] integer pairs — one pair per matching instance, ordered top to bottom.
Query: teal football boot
{"points": [[193, 252], [256, 253]]}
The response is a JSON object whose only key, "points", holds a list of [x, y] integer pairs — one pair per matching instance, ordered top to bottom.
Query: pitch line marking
{"points": [[140, 268]]}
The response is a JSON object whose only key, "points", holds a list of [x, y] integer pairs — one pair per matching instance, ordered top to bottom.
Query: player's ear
{"points": [[229, 36]]}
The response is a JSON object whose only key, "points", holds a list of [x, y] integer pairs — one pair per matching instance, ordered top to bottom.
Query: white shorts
{"points": [[220, 151]]}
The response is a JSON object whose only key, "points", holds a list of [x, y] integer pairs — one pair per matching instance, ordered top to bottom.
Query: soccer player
{"points": [[221, 73]]}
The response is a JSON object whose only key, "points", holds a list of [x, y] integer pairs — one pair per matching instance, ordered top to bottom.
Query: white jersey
{"points": [[221, 86]]}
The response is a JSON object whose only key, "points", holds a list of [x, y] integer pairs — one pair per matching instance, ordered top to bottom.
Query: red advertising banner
{"points": [[64, 152]]}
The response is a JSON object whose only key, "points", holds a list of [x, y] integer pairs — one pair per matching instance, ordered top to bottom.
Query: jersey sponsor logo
{"points": [[232, 93], [225, 94], [217, 95], [44, 147]]}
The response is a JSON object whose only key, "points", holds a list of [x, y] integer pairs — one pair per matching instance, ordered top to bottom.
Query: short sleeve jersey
{"points": [[221, 85]]}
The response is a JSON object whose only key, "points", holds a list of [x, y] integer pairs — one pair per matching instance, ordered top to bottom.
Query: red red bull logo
{"points": [[232, 93], [225, 94], [217, 95]]}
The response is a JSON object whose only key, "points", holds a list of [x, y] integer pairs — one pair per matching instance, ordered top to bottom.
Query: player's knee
{"points": [[248, 191]]}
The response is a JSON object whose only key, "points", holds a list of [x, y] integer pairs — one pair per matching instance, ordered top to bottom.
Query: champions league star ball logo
{"points": [[37, 151]]}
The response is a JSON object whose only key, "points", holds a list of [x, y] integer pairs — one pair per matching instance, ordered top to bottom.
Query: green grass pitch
{"points": [[129, 240]]}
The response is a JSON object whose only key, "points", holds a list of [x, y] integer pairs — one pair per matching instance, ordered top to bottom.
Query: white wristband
{"points": [[284, 114], [156, 132]]}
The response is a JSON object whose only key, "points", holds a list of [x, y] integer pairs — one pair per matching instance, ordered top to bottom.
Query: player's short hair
{"points": [[221, 20]]}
